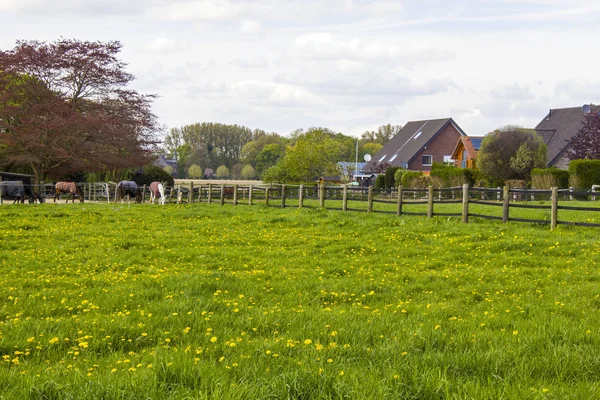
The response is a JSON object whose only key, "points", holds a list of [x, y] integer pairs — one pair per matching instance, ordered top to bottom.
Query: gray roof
{"points": [[558, 127], [407, 143]]}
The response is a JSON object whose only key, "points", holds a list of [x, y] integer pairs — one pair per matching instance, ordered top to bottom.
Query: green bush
{"points": [[584, 173], [443, 175], [398, 176], [390, 177], [546, 178], [415, 180], [380, 182]]}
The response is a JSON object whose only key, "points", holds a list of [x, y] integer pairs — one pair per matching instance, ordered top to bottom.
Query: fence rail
{"points": [[400, 201]]}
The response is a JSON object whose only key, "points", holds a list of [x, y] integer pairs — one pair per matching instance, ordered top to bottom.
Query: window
{"points": [[417, 135], [465, 155], [393, 157], [382, 158], [426, 161]]}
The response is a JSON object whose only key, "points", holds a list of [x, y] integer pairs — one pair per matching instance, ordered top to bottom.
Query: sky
{"points": [[348, 65]]}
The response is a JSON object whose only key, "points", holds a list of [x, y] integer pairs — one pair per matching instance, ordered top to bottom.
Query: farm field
{"points": [[208, 301]]}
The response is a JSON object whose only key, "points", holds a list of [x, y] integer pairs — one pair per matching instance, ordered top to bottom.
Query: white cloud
{"points": [[250, 27]]}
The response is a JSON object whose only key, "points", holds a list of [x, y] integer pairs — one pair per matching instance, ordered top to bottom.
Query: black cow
{"points": [[129, 189], [17, 191]]}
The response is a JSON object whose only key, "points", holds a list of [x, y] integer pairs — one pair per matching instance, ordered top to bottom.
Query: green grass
{"points": [[204, 301]]}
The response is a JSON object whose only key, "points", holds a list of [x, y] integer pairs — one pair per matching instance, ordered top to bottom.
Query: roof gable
{"points": [[558, 127], [407, 143], [470, 143]]}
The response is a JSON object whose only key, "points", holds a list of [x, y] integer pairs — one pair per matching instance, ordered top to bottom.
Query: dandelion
{"points": [[187, 330], [213, 339], [53, 340], [307, 342]]}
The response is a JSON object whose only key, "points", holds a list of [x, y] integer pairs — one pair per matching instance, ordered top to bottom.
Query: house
{"points": [[557, 128], [417, 146], [466, 150], [349, 169]]}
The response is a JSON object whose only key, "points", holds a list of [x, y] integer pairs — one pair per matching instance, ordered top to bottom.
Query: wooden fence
{"points": [[360, 199]]}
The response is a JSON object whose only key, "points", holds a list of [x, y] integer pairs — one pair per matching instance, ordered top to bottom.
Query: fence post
{"points": [[250, 190], [143, 193], [191, 193], [200, 193], [209, 193], [178, 194], [498, 194], [235, 195], [322, 195], [267, 196], [282, 196], [301, 196], [345, 198], [222, 199], [370, 200], [430, 202], [465, 203], [506, 203], [399, 211], [554, 212]]}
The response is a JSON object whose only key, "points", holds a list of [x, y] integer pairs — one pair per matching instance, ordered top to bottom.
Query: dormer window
{"points": [[382, 158]]}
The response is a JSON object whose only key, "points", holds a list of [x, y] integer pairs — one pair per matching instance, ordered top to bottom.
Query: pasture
{"points": [[208, 301]]}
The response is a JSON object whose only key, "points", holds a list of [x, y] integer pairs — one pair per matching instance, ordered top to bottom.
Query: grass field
{"points": [[204, 301]]}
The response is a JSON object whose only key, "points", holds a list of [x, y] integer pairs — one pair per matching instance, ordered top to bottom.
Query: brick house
{"points": [[418, 145]]}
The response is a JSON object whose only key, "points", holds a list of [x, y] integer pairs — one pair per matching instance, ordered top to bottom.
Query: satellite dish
{"points": [[586, 109], [367, 157]]}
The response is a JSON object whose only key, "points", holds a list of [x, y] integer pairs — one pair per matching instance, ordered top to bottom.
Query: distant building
{"points": [[557, 128], [418, 145], [466, 150], [162, 162], [349, 169]]}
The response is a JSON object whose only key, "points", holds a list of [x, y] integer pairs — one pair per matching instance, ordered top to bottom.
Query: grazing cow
{"points": [[70, 188], [129, 188], [157, 190], [17, 191]]}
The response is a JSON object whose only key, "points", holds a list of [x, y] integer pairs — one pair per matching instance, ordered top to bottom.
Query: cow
{"points": [[67, 187], [129, 188], [157, 190], [17, 191]]}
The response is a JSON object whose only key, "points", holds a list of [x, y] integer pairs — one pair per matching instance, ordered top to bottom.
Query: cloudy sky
{"points": [[350, 65]]}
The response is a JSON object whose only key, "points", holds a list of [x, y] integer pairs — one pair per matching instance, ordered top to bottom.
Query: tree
{"points": [[65, 107], [382, 135], [586, 143], [511, 152], [314, 153], [270, 154], [169, 170], [195, 171], [222, 172], [248, 172]]}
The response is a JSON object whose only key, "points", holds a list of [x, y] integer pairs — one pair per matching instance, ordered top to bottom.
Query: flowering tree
{"points": [[65, 107], [586, 143]]}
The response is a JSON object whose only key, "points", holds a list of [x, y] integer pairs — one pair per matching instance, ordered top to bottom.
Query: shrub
{"points": [[195, 171], [222, 172], [248, 172], [152, 173], [584, 173], [443, 175], [398, 176], [390, 177], [549, 177], [415, 180], [380, 182], [516, 184]]}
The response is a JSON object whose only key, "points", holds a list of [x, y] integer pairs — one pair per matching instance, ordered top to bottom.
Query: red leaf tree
{"points": [[65, 107], [586, 143]]}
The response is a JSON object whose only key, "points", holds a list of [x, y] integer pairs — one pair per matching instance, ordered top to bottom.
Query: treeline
{"points": [[207, 150]]}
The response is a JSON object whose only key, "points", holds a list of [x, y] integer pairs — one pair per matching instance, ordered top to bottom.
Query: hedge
{"points": [[584, 173], [443, 175], [390, 177], [546, 178], [415, 180], [380, 182]]}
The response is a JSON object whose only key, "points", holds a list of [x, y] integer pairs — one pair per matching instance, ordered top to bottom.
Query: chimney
{"points": [[549, 114]]}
